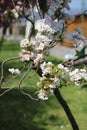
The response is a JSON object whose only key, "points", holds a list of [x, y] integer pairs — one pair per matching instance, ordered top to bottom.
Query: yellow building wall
{"points": [[81, 23]]}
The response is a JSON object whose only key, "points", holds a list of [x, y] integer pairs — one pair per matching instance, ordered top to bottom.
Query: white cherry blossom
{"points": [[25, 43], [26, 55], [38, 59], [60, 66], [14, 71], [42, 95]]}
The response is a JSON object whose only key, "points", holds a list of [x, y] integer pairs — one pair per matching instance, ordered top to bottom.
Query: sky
{"points": [[78, 6]]}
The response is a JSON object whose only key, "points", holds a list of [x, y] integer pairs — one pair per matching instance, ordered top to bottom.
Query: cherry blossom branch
{"points": [[2, 68], [12, 77], [21, 81], [28, 95], [63, 104]]}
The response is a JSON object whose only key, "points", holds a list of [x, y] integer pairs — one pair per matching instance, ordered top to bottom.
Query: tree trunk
{"points": [[66, 109]]}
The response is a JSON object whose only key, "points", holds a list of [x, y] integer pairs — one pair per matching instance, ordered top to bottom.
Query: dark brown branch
{"points": [[39, 10], [66, 109]]}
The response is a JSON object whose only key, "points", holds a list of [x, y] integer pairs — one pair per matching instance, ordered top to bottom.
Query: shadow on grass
{"points": [[17, 112]]}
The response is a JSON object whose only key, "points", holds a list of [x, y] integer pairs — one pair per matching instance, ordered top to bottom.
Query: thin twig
{"points": [[39, 10], [27, 17], [2, 68], [27, 72], [29, 77], [6, 91], [29, 95]]}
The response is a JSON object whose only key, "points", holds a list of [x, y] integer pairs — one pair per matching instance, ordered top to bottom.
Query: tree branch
{"points": [[39, 10], [2, 68], [6, 91], [28, 95], [66, 109]]}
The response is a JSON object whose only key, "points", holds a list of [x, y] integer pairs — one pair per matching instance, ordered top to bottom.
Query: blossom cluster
{"points": [[47, 25], [48, 29], [79, 41], [37, 48], [33, 51], [14, 71], [56, 76], [79, 76], [52, 77], [49, 80]]}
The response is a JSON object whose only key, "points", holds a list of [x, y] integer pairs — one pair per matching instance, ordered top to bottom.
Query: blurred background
{"points": [[18, 112]]}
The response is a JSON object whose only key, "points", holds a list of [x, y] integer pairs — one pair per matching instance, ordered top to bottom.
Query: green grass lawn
{"points": [[18, 112]]}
